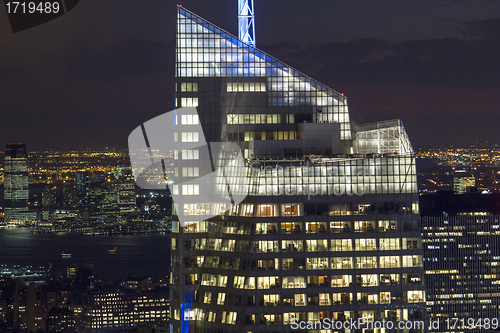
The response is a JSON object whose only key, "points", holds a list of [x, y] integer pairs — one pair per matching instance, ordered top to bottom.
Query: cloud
{"points": [[488, 29], [127, 58], [449, 62], [467, 62]]}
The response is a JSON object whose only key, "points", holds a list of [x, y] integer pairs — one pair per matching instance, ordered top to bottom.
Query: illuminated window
{"points": [[189, 87], [246, 87], [189, 102], [189, 119], [232, 119], [244, 119], [249, 136], [189, 137], [190, 154], [190, 172], [190, 189], [202, 209], [291, 209], [246, 210], [267, 210], [364, 226], [385, 226], [194, 227], [291, 227], [314, 227], [337, 227], [266, 228], [389, 243], [411, 243], [368, 244], [314, 245], [340, 245], [265, 246], [292, 246], [389, 261], [412, 261], [366, 262], [317, 263], [341, 263], [268, 264], [287, 264], [417, 278], [389, 279], [341, 280], [367, 280], [239, 282], [266, 282], [294, 282], [250, 283], [416, 296], [207, 298], [221, 298], [342, 298], [367, 298], [324, 299], [269, 300], [230, 318]]}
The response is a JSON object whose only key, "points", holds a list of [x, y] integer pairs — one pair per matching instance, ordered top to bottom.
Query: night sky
{"points": [[88, 78]]}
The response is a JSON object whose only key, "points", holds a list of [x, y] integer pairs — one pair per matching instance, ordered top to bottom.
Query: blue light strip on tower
{"points": [[246, 31], [186, 310]]}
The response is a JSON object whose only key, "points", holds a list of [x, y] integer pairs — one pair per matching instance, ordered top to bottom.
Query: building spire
{"points": [[246, 25]]}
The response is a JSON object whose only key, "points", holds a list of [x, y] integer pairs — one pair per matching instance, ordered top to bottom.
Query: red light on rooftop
{"points": [[180, 5], [342, 94]]}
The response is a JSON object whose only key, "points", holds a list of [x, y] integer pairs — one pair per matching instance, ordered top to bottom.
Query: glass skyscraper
{"points": [[16, 191], [330, 228], [461, 265]]}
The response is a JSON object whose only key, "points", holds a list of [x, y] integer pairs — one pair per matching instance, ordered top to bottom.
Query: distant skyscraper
{"points": [[463, 181], [16, 186], [125, 187], [82, 189], [102, 198], [330, 228], [460, 235], [462, 271]]}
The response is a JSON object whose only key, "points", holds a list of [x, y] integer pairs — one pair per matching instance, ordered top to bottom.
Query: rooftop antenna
{"points": [[246, 17]]}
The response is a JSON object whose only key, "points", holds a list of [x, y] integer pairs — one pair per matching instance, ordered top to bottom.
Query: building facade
{"points": [[463, 181], [16, 184], [330, 228], [461, 258], [116, 310]]}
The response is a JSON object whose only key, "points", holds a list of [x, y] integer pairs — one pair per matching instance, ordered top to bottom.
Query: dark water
{"points": [[137, 254]]}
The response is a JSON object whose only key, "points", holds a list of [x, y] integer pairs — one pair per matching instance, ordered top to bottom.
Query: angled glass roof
{"points": [[221, 49]]}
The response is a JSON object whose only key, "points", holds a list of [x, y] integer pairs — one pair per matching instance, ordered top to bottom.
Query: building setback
{"points": [[330, 228]]}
